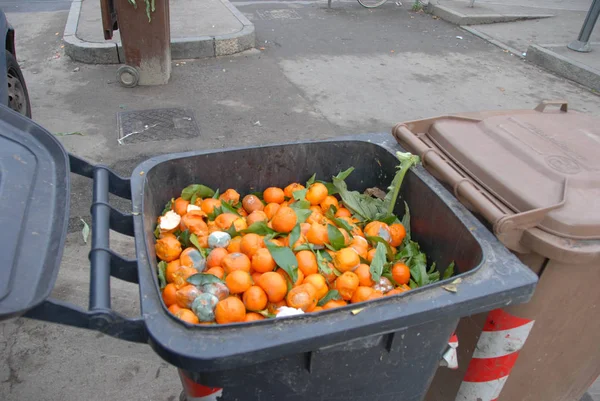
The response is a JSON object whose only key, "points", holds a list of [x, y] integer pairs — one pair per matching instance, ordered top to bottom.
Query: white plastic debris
{"points": [[459, 37], [193, 207], [169, 221], [285, 311], [450, 356]]}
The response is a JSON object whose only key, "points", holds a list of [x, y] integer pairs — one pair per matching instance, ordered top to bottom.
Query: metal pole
{"points": [[582, 44]]}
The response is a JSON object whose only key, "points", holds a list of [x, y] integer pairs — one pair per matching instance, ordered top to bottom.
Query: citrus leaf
{"points": [[407, 160], [342, 175], [311, 180], [331, 189], [201, 191], [216, 195], [300, 195], [168, 206], [228, 208], [301, 213], [387, 219], [406, 221], [260, 228], [85, 231], [157, 231], [294, 235], [184, 238], [336, 238], [378, 240], [194, 241], [302, 247], [326, 256], [285, 258], [378, 262], [162, 269], [324, 269], [449, 272], [200, 279], [412, 284], [330, 296]]}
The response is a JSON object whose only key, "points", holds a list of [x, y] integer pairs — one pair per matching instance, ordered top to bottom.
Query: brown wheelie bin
{"points": [[533, 177]]}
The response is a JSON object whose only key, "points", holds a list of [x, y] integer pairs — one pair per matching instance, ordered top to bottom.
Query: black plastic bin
{"points": [[388, 350]]}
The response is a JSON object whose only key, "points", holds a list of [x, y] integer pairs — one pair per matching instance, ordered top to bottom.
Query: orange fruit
{"points": [[290, 189], [316, 193], [273, 195], [230, 196], [328, 202], [251, 203], [209, 204], [180, 206], [271, 209], [242, 212], [343, 212], [256, 216], [316, 216], [225, 220], [284, 220], [194, 222], [240, 224], [378, 229], [398, 233], [317, 234], [277, 242], [251, 243], [234, 245], [168, 248], [371, 255], [191, 257], [215, 257], [346, 259], [236, 261], [262, 261], [307, 262], [172, 267], [216, 271], [363, 272], [400, 273], [181, 275], [255, 276], [287, 278], [238, 281], [319, 282], [346, 284], [274, 285], [398, 290], [361, 294], [375, 294], [169, 295], [186, 295], [302, 297], [255, 298], [334, 303], [273, 306], [174, 309], [317, 309], [230, 310], [187, 316], [253, 316]]}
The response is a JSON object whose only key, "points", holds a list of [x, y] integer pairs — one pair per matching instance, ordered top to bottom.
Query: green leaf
{"points": [[69, 133], [407, 160], [342, 175], [311, 180], [331, 189], [201, 191], [216, 195], [300, 195], [193, 199], [301, 204], [168, 206], [364, 206], [228, 208], [217, 210], [301, 213], [389, 219], [406, 221], [260, 228], [157, 231], [232, 231], [294, 235], [184, 238], [336, 238], [378, 240], [194, 241], [303, 247], [326, 256], [285, 258], [378, 262], [418, 268], [162, 269], [324, 269], [449, 272], [433, 277], [200, 279], [412, 284], [330, 296]]}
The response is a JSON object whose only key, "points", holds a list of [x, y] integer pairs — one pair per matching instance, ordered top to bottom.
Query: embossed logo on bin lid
{"points": [[526, 159]]}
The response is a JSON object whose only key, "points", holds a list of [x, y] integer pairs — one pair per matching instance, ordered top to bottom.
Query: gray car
{"points": [[13, 92]]}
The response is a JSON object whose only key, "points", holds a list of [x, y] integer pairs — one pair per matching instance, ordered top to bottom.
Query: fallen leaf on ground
{"points": [[85, 231]]}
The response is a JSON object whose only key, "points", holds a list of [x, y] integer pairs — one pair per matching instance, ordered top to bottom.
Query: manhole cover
{"points": [[156, 125]]}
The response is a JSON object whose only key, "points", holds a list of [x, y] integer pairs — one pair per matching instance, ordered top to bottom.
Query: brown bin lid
{"points": [[531, 161]]}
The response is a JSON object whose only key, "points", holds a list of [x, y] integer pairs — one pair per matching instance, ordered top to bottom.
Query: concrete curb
{"points": [[455, 17], [493, 41], [181, 48], [542, 56]]}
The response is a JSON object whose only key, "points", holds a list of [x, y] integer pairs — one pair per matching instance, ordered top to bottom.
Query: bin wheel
{"points": [[128, 76], [182, 396]]}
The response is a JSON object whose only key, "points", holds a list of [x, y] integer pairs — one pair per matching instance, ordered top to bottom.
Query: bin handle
{"points": [[564, 106], [510, 226], [104, 262]]}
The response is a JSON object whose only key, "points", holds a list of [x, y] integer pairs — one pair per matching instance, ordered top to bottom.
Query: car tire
{"points": [[18, 97]]}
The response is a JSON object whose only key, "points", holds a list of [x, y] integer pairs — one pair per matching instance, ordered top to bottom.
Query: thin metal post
{"points": [[582, 44]]}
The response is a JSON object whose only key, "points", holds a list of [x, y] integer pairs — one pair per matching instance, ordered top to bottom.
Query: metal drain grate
{"points": [[156, 125]]}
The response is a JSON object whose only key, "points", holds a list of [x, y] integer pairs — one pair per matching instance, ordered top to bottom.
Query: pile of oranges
{"points": [[276, 253]]}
